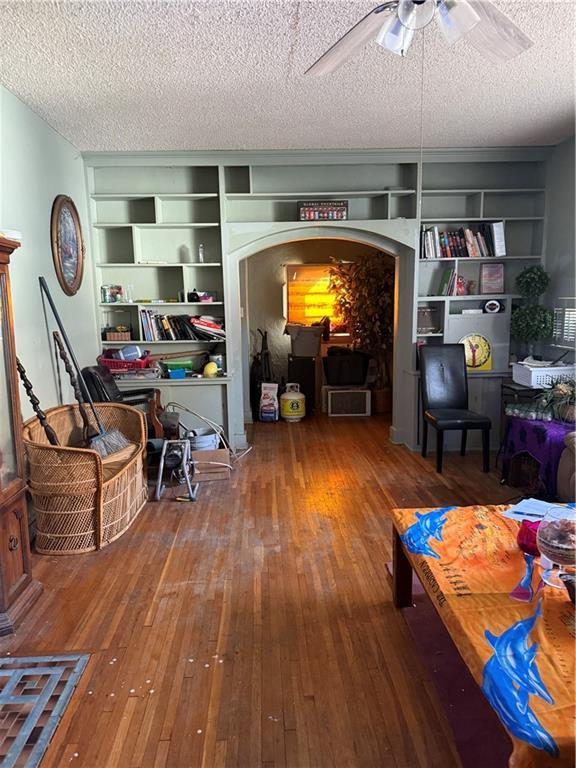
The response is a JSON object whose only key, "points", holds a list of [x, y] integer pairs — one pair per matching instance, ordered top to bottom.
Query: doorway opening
{"points": [[290, 283]]}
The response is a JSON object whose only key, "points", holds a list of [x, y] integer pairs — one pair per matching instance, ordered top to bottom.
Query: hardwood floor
{"points": [[256, 626]]}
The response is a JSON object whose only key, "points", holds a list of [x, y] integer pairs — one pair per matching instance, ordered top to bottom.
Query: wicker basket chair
{"points": [[83, 501]]}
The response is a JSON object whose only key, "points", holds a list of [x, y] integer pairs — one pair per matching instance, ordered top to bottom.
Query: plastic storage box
{"points": [[305, 339], [188, 364], [126, 365], [540, 376]]}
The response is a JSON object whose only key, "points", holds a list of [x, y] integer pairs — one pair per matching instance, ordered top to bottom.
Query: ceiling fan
{"points": [[394, 23]]}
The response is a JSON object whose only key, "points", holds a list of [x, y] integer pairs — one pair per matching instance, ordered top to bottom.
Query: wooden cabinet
{"points": [[18, 590]]}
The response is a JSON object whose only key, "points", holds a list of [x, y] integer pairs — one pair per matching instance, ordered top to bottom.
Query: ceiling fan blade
{"points": [[456, 18], [496, 36], [352, 41]]}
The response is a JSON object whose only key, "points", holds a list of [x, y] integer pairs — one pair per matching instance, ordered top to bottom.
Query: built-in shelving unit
{"points": [[271, 193], [457, 195], [150, 213], [148, 223]]}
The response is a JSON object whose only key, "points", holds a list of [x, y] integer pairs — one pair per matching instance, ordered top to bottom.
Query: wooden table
{"points": [[520, 653]]}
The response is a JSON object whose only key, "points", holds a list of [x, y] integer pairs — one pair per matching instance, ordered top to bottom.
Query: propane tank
{"points": [[292, 403]]}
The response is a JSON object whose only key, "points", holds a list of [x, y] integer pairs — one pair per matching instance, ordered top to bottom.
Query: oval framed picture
{"points": [[67, 244]]}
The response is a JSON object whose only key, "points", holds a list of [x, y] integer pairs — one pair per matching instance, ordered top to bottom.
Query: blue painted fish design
{"points": [[428, 526], [523, 590], [511, 676]]}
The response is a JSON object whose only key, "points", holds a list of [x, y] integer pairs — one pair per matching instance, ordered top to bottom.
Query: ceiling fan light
{"points": [[416, 15], [456, 18], [394, 36]]}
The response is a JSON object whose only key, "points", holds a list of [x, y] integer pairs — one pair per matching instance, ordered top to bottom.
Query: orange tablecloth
{"points": [[520, 653]]}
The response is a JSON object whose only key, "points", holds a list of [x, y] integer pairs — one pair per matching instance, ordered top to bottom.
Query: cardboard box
{"points": [[305, 339], [205, 471]]}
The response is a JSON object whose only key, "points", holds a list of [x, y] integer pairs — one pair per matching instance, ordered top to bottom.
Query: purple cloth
{"points": [[543, 440]]}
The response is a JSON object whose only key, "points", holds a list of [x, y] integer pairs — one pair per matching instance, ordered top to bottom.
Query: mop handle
{"points": [[87, 395]]}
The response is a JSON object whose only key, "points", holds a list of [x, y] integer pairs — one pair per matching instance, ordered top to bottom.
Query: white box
{"points": [[305, 339], [541, 377]]}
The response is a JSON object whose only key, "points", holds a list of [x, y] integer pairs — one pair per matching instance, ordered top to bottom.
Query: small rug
{"points": [[34, 693]]}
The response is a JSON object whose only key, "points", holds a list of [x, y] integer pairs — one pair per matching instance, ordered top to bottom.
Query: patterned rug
{"points": [[34, 693]]}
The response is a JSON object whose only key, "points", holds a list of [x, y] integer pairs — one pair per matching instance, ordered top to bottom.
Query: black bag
{"points": [[344, 367]]}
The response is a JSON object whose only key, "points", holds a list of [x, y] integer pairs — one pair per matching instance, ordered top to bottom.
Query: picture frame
{"points": [[67, 244], [491, 278]]}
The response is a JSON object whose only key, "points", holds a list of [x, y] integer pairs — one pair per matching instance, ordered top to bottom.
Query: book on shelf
{"points": [[436, 237], [498, 238], [485, 240], [472, 248], [447, 283], [159, 327]]}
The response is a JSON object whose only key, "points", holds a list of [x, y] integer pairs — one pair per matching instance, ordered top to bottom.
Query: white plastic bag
{"points": [[269, 402]]}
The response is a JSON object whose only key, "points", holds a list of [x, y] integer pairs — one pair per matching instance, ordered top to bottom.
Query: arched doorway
{"points": [[399, 243]]}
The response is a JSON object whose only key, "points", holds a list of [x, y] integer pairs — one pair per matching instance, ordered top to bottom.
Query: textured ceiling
{"points": [[228, 74]]}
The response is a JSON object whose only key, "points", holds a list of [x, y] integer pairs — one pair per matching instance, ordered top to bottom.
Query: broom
{"points": [[104, 442]]}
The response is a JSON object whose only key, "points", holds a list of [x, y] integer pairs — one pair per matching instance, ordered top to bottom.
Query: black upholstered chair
{"points": [[444, 387], [103, 389]]}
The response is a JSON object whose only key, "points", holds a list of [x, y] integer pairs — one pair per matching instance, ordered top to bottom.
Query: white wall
{"points": [[36, 165]]}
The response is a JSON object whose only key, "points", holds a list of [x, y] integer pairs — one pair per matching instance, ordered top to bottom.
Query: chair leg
{"points": [[154, 408], [424, 438], [463, 443], [439, 449], [486, 450]]}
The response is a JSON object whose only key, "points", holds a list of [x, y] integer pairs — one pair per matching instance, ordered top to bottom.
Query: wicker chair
{"points": [[83, 501]]}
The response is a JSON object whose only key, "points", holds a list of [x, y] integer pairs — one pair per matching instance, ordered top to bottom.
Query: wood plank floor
{"points": [[255, 627]]}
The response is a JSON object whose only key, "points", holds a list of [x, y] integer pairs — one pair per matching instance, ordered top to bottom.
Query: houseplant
{"points": [[532, 282], [364, 291], [531, 322], [561, 399]]}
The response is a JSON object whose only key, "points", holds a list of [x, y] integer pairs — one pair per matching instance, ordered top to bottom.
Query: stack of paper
{"points": [[529, 509]]}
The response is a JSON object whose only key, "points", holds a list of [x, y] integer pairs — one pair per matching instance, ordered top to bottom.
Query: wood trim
{"points": [[6, 249], [17, 596], [10, 618]]}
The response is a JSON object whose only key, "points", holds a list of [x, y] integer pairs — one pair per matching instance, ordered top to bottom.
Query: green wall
{"points": [[36, 165]]}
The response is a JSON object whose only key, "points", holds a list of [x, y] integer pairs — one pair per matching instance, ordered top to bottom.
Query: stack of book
{"points": [[487, 241], [447, 285], [157, 327]]}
